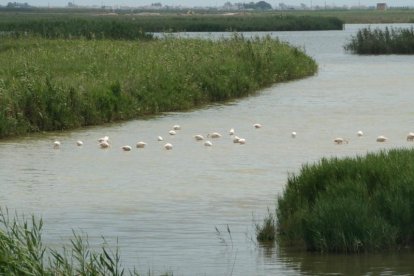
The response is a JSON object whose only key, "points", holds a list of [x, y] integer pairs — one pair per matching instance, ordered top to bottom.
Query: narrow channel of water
{"points": [[164, 206]]}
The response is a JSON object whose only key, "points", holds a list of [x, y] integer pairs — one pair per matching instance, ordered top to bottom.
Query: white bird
{"points": [[257, 125], [176, 127], [172, 132], [231, 132], [360, 133], [293, 134], [214, 135], [410, 136], [198, 137], [160, 138], [103, 139], [236, 139], [381, 139], [242, 141], [340, 141], [79, 143], [56, 144], [208, 144], [104, 145], [141, 145], [168, 146], [126, 148]]}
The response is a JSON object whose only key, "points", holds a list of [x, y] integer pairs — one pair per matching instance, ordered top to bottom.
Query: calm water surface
{"points": [[163, 206]]}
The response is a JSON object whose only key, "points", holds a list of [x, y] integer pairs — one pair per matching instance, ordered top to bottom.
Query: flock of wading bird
{"points": [[104, 142]]}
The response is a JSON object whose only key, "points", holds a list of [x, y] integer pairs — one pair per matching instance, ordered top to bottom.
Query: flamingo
{"points": [[214, 135], [198, 137], [103, 139], [236, 139], [381, 139], [242, 141], [340, 141], [56, 144], [104, 145], [141, 145], [126, 148]]}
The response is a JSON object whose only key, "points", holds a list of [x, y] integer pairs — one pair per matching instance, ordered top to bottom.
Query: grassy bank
{"points": [[376, 41], [63, 84], [355, 204], [22, 252]]}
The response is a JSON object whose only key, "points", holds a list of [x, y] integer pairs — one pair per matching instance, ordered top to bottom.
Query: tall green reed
{"points": [[138, 27], [376, 41], [64, 84], [350, 205], [22, 252]]}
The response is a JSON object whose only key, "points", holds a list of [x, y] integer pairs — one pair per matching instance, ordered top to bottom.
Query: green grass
{"points": [[376, 41], [64, 84], [359, 204], [22, 252]]}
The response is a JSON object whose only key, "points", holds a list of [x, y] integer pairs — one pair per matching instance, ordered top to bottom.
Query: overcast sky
{"points": [[190, 3]]}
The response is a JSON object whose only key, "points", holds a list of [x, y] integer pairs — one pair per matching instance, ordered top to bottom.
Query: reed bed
{"points": [[137, 27], [72, 28], [376, 41], [63, 84], [359, 204], [22, 252]]}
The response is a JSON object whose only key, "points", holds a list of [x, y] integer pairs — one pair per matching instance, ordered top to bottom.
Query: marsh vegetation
{"points": [[135, 26], [388, 41], [63, 84], [353, 204]]}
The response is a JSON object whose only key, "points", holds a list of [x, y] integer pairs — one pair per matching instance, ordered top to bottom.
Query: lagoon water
{"points": [[164, 206]]}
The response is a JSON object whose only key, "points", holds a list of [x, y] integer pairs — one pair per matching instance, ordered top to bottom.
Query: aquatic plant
{"points": [[376, 41], [63, 84], [354, 204], [266, 232], [22, 252]]}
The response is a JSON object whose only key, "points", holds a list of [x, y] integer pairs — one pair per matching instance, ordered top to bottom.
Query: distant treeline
{"points": [[138, 27], [376, 41]]}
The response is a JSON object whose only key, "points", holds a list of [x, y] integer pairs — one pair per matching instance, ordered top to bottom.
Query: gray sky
{"points": [[190, 3]]}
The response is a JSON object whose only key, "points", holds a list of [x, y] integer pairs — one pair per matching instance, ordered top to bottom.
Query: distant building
{"points": [[381, 6]]}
